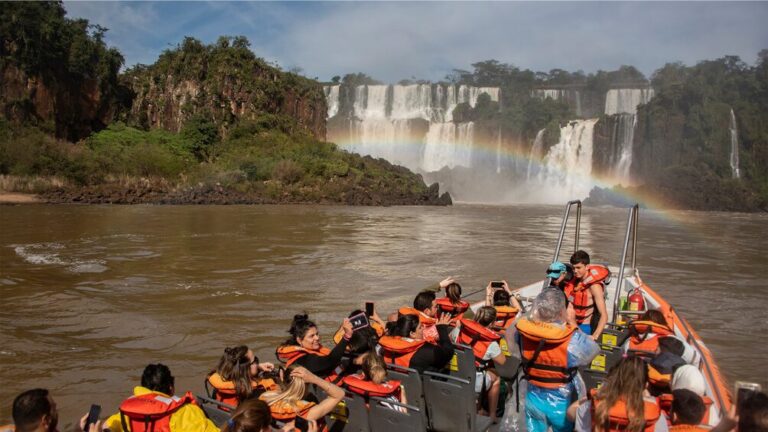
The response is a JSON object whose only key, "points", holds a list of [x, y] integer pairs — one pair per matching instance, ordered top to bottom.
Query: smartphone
{"points": [[497, 284], [369, 308], [359, 321], [743, 391], [93, 416], [301, 424]]}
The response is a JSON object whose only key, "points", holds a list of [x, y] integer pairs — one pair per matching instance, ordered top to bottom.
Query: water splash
{"points": [[734, 159]]}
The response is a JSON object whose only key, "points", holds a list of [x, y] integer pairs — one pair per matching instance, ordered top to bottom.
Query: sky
{"points": [[391, 41]]}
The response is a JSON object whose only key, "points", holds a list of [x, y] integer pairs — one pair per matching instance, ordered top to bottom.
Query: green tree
{"points": [[200, 137]]}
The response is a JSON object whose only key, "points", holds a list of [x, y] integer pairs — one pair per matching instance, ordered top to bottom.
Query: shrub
{"points": [[287, 171]]}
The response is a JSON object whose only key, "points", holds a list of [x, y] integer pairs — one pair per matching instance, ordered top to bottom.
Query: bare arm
{"points": [[599, 298], [334, 392]]}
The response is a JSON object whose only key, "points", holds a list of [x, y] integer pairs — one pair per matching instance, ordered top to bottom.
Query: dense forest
{"points": [[205, 123]]}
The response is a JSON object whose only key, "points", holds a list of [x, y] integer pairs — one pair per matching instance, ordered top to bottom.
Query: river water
{"points": [[91, 294]]}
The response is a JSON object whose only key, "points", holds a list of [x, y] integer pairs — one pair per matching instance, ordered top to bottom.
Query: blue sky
{"points": [[395, 40]]}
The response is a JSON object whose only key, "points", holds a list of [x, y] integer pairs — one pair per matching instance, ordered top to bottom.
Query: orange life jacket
{"points": [[583, 303], [444, 305], [505, 315], [423, 319], [374, 325], [644, 336], [479, 338], [399, 350], [544, 353], [288, 354], [658, 379], [357, 383], [225, 390], [666, 399], [151, 411], [284, 412], [618, 418], [688, 428]]}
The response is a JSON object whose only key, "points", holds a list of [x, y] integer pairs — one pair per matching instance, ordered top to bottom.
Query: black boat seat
{"points": [[462, 364], [412, 384], [452, 404], [213, 409], [351, 415], [406, 418]]}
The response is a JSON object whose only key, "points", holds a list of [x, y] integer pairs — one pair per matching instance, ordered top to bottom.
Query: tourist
{"points": [[559, 274], [587, 294], [452, 303], [506, 305], [425, 308], [405, 344], [304, 348], [551, 350], [237, 376], [373, 381], [157, 388], [290, 400], [33, 411], [687, 411]]}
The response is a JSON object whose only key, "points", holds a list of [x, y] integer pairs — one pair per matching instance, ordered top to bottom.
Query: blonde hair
{"points": [[486, 316], [374, 368], [625, 382], [292, 390]]}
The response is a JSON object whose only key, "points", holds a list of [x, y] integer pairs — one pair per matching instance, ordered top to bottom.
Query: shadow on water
{"points": [[92, 294]]}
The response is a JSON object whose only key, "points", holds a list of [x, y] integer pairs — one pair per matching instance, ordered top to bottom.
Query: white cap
{"points": [[690, 378]]}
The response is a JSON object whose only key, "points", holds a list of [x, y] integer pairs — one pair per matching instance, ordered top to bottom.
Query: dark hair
{"points": [[580, 257], [568, 272], [453, 292], [501, 298], [423, 300], [654, 315], [485, 316], [405, 325], [299, 328], [362, 341], [671, 345], [235, 366], [158, 377], [688, 407], [29, 408], [753, 413], [251, 415]]}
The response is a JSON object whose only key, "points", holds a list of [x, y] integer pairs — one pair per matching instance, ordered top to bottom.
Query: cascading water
{"points": [[571, 96], [332, 99], [626, 100], [623, 103], [411, 125], [734, 147], [534, 157], [567, 168]]}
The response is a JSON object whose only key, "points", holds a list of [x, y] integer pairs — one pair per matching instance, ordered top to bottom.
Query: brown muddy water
{"points": [[91, 294]]}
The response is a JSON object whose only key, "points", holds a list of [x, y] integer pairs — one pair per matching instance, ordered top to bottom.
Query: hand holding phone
{"points": [[497, 284], [369, 308], [359, 321], [745, 390], [93, 417]]}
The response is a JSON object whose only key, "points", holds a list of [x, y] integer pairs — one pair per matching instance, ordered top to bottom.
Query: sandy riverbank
{"points": [[19, 198]]}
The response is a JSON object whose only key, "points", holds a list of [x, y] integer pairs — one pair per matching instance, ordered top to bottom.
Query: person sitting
{"points": [[559, 274], [587, 294], [452, 303], [506, 305], [425, 308], [376, 328], [645, 333], [405, 344], [485, 346], [304, 349], [551, 350], [663, 365], [237, 376], [688, 377], [372, 380], [290, 400], [622, 403], [153, 407], [33, 411], [687, 411], [753, 413], [252, 415]]}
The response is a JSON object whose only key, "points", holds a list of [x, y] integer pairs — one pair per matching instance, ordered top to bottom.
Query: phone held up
{"points": [[497, 284], [369, 308], [359, 321], [744, 390], [93, 416], [301, 424]]}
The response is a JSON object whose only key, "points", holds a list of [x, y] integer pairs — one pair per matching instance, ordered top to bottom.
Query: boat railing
{"points": [[564, 225], [631, 234]]}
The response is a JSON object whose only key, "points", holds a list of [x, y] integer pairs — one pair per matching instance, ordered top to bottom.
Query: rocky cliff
{"points": [[226, 83]]}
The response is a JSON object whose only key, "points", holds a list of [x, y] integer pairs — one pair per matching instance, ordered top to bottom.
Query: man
{"points": [[559, 274], [587, 294], [425, 307], [551, 349], [155, 398], [34, 411]]}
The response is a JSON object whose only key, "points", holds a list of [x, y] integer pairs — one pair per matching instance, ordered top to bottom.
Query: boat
{"points": [[446, 402]]}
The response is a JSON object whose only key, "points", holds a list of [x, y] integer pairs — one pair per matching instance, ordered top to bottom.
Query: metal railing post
{"points": [[566, 215], [631, 228]]}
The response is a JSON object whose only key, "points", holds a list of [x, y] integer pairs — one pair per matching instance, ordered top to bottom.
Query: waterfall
{"points": [[570, 96], [332, 99], [626, 100], [623, 103], [410, 125], [534, 157], [734, 159], [567, 166]]}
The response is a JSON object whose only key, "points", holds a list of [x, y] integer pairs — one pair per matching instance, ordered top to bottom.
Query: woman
{"points": [[452, 303], [506, 305], [645, 333], [405, 345], [485, 345], [303, 348], [237, 376], [372, 381], [289, 401], [622, 403], [253, 416]]}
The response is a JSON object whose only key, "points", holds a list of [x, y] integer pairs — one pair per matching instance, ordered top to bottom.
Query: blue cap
{"points": [[555, 270]]}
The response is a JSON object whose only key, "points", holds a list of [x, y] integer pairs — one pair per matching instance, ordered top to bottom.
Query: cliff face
{"points": [[223, 83]]}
